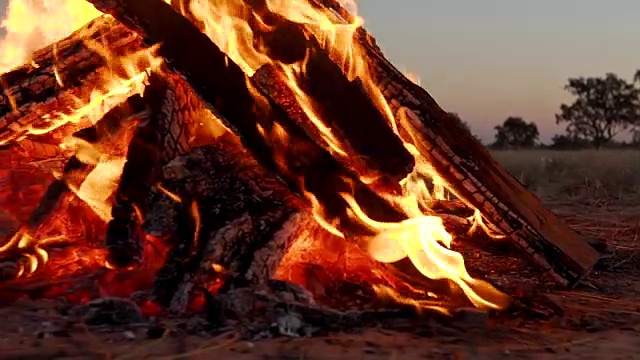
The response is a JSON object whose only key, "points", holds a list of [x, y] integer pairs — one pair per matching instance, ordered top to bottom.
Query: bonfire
{"points": [[249, 160]]}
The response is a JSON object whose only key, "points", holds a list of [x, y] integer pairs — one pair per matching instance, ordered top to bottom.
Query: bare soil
{"points": [[599, 319]]}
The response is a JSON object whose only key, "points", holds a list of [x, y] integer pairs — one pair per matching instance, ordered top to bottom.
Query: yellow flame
{"points": [[32, 24], [105, 96], [100, 184], [195, 213], [479, 225], [422, 237], [31, 250]]}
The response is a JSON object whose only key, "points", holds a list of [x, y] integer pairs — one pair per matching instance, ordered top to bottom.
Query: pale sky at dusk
{"points": [[488, 59]]}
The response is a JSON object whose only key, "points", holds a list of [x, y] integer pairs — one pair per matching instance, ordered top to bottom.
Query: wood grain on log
{"points": [[31, 95], [342, 104], [172, 126], [473, 173], [249, 216], [251, 219]]}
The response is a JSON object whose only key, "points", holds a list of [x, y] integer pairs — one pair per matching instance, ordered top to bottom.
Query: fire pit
{"points": [[259, 163]]}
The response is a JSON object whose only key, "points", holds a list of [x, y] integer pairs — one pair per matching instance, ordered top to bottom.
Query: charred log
{"points": [[59, 76], [222, 84], [344, 104], [172, 127], [475, 176], [251, 219]]}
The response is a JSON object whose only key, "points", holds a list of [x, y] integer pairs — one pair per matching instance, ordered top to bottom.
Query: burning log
{"points": [[220, 82], [40, 96], [344, 103], [470, 170], [249, 224]]}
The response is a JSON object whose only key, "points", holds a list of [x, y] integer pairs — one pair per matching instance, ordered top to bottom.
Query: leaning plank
{"points": [[60, 77], [343, 104], [473, 173]]}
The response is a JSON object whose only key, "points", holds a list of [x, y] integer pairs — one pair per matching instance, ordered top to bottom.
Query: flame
{"points": [[32, 24], [111, 91], [479, 225], [422, 237], [31, 250]]}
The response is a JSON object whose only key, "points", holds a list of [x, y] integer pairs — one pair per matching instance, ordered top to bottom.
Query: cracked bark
{"points": [[31, 93]]}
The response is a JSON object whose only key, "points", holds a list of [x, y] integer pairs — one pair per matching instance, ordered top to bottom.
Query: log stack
{"points": [[206, 136]]}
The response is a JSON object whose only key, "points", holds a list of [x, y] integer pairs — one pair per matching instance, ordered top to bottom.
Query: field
{"points": [[585, 177], [596, 192]]}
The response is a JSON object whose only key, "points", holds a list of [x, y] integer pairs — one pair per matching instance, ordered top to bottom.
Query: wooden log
{"points": [[32, 97], [342, 104], [173, 124], [473, 173], [248, 216], [250, 219]]}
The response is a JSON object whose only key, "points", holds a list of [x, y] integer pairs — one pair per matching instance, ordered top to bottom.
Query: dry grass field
{"points": [[585, 177]]}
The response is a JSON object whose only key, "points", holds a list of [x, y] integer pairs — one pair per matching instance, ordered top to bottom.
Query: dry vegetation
{"points": [[587, 177]]}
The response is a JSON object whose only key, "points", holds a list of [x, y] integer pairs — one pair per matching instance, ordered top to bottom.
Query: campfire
{"points": [[187, 153]]}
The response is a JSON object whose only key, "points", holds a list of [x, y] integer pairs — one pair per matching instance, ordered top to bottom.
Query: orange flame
{"points": [[32, 24], [422, 237]]}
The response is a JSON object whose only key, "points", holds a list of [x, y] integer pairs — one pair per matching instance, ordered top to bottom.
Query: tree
{"points": [[603, 107], [515, 133], [635, 139], [568, 142]]}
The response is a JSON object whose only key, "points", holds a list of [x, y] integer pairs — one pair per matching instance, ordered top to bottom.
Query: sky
{"points": [[490, 59]]}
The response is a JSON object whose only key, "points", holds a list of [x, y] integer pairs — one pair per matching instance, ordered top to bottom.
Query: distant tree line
{"points": [[603, 107]]}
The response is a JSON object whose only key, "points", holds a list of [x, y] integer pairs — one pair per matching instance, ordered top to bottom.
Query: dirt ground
{"points": [[599, 319]]}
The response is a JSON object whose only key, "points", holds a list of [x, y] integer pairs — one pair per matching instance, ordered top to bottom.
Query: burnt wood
{"points": [[31, 94], [342, 104], [171, 127], [472, 172], [216, 204], [250, 218]]}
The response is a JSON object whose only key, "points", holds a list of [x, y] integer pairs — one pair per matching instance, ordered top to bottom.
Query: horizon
{"points": [[490, 60]]}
